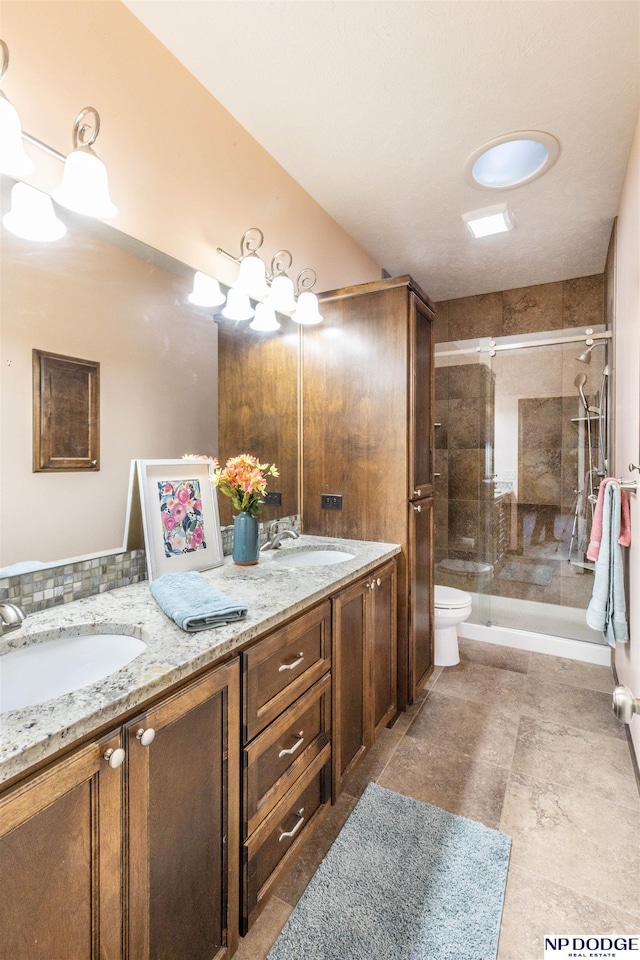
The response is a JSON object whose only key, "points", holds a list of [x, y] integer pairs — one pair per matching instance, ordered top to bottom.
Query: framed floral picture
{"points": [[179, 516]]}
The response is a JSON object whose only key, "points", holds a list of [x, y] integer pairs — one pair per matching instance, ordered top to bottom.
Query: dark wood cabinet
{"points": [[367, 415], [420, 586], [383, 647], [364, 667], [351, 680], [286, 736], [183, 836], [154, 839], [61, 861]]}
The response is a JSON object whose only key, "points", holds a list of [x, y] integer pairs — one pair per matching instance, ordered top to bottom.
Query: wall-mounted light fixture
{"points": [[13, 159], [85, 186], [275, 290]]}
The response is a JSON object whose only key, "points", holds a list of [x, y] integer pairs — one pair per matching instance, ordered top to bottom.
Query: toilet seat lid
{"points": [[450, 597]]}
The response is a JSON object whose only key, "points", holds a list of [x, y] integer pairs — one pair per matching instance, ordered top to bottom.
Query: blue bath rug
{"points": [[404, 880]]}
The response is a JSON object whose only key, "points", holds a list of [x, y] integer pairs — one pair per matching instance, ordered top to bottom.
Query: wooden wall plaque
{"points": [[66, 413]]}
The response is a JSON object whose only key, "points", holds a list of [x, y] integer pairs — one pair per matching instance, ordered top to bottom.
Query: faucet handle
{"points": [[11, 617]]}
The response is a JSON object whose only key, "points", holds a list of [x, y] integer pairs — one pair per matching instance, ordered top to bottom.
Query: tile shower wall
{"points": [[545, 306], [54, 586]]}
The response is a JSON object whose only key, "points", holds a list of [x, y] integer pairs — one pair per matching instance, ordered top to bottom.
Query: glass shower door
{"points": [[520, 448]]}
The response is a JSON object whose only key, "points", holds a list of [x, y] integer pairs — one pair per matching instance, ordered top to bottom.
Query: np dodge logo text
{"points": [[601, 944]]}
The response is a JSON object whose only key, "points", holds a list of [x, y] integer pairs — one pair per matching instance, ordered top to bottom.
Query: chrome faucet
{"points": [[275, 536], [11, 617]]}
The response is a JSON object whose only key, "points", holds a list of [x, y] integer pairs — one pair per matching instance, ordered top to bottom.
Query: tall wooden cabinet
{"points": [[367, 436]]}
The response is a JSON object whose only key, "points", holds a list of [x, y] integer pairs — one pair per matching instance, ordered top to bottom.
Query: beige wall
{"points": [[184, 174], [186, 178], [86, 298], [627, 442]]}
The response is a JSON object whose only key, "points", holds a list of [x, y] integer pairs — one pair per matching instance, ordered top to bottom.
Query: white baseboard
{"points": [[538, 643]]}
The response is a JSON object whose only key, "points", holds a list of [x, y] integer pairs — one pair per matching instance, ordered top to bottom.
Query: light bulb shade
{"points": [[13, 159], [85, 186], [32, 216], [252, 278], [206, 291], [281, 295], [238, 306], [307, 310], [265, 319]]}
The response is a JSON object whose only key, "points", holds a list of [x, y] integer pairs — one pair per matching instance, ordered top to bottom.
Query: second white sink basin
{"points": [[313, 558], [41, 671]]}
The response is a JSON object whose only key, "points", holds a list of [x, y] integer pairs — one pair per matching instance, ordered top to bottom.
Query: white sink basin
{"points": [[313, 558], [41, 671]]}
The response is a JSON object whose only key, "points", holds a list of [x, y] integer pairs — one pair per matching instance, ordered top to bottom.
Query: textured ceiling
{"points": [[374, 107]]}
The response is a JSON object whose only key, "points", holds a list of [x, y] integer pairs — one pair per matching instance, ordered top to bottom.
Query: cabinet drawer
{"points": [[279, 668], [280, 753], [270, 850]]}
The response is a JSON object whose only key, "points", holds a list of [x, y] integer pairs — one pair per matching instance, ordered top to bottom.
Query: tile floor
{"points": [[527, 744]]}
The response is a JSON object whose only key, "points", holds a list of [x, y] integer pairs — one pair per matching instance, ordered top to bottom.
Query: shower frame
{"points": [[489, 345]]}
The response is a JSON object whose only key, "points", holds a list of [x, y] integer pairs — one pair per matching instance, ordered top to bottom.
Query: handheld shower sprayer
{"points": [[579, 382]]}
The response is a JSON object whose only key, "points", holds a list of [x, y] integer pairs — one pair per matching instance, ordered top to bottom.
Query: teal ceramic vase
{"points": [[246, 549]]}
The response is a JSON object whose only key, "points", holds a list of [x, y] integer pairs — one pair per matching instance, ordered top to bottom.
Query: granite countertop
{"points": [[272, 591]]}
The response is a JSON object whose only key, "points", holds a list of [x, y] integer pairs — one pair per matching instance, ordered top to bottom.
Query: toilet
{"points": [[451, 607]]}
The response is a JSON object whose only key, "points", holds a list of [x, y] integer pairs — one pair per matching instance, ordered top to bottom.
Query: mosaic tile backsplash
{"points": [[53, 586]]}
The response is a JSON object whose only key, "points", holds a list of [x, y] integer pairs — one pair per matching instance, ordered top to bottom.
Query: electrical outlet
{"points": [[273, 499], [331, 501]]}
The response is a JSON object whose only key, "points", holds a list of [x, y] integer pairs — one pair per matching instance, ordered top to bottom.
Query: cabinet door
{"points": [[421, 439], [420, 593], [383, 646], [350, 674], [183, 814], [61, 861]]}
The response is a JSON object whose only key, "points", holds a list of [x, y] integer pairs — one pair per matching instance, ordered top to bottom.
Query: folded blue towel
{"points": [[193, 603]]}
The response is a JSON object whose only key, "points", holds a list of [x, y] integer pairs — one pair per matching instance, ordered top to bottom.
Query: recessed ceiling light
{"points": [[512, 160], [489, 220]]}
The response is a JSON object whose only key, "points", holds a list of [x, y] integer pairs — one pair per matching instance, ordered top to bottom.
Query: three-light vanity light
{"points": [[85, 189], [274, 291]]}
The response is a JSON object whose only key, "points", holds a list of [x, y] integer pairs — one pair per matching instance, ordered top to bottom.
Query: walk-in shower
{"points": [[522, 442]]}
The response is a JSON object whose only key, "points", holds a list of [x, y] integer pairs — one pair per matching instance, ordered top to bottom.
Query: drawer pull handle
{"points": [[293, 664], [296, 746], [291, 833]]}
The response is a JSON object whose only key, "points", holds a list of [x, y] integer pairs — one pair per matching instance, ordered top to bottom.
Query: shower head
{"points": [[586, 356]]}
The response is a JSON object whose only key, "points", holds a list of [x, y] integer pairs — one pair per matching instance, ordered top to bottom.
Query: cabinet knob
{"points": [[417, 493], [417, 507], [379, 582], [293, 664], [145, 736], [115, 758], [292, 833]]}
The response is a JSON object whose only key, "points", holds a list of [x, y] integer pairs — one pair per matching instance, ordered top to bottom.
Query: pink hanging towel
{"points": [[596, 528]]}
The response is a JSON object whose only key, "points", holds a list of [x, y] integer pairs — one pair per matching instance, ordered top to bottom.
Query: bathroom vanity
{"points": [[151, 814]]}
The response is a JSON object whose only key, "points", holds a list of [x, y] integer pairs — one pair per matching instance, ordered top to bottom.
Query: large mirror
{"points": [[101, 296]]}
